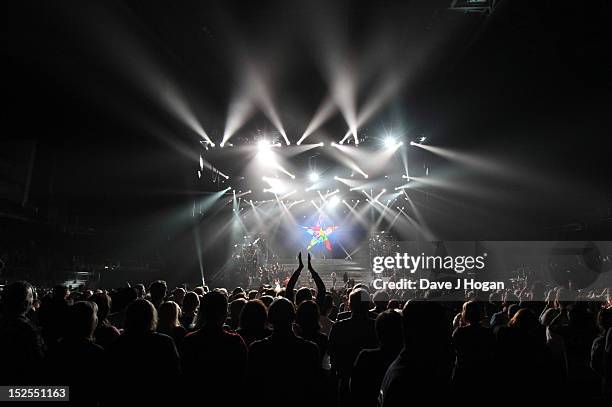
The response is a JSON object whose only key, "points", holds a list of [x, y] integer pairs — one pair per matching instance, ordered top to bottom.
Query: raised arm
{"points": [[293, 280], [318, 282]]}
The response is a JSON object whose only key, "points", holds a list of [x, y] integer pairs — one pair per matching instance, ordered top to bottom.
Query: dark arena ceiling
{"points": [[122, 97]]}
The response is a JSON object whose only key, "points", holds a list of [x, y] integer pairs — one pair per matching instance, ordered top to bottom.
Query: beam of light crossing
{"points": [[323, 113]]}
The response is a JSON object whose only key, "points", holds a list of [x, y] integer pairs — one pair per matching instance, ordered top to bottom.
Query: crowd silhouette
{"points": [[347, 346]]}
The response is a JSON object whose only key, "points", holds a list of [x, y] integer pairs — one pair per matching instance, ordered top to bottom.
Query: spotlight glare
{"points": [[389, 142], [262, 145], [265, 154], [314, 177], [334, 201]]}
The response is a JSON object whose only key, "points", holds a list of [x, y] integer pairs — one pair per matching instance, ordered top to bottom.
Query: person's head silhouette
{"points": [[158, 290], [60, 292], [303, 294], [17, 298], [380, 299], [103, 301], [359, 301], [191, 302], [235, 308], [213, 310], [472, 313], [169, 314], [281, 314], [253, 316], [140, 317], [307, 317], [82, 320], [424, 323], [389, 330]]}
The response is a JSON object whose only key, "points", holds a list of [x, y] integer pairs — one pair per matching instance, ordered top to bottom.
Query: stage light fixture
{"points": [[389, 142], [263, 145], [265, 154], [314, 177], [334, 201]]}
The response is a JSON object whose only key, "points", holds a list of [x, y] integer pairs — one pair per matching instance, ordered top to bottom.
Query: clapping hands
{"points": [[301, 263]]}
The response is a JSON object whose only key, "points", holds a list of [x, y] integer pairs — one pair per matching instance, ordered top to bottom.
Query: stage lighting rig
{"points": [[475, 6], [418, 140], [389, 142], [263, 145], [334, 201]]}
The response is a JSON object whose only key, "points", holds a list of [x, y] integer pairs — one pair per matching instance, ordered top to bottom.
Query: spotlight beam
{"points": [[263, 99], [239, 111], [323, 113], [209, 166], [281, 168], [241, 194], [288, 194], [356, 214], [420, 219]]}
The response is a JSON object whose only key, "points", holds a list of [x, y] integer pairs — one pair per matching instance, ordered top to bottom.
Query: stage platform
{"points": [[353, 268]]}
